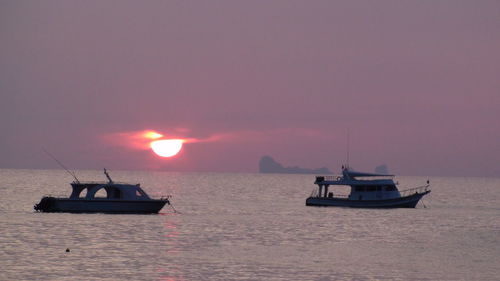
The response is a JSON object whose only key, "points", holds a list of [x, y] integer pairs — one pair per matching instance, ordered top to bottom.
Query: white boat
{"points": [[367, 191], [120, 198]]}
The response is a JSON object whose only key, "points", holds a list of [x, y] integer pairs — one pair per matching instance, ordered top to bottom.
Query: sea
{"points": [[230, 226]]}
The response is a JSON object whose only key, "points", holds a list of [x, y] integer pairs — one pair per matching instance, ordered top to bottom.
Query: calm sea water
{"points": [[248, 227]]}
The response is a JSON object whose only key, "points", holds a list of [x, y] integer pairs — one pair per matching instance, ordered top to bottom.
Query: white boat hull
{"points": [[401, 202]]}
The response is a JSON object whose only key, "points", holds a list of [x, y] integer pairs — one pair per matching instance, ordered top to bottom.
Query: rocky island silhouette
{"points": [[268, 165]]}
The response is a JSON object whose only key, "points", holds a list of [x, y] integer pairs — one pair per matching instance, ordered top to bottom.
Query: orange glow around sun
{"points": [[152, 135], [161, 145]]}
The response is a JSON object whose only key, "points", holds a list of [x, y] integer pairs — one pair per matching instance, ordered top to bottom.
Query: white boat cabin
{"points": [[364, 186]]}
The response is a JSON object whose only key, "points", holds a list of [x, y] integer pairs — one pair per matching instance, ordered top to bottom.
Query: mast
{"points": [[347, 148]]}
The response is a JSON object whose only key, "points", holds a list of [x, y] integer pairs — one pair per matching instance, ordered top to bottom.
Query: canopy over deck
{"points": [[355, 174], [350, 177], [113, 191]]}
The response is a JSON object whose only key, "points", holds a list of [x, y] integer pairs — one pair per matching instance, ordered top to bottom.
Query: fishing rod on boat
{"points": [[61, 164]]}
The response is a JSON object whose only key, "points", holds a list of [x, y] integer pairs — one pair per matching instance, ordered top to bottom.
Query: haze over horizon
{"points": [[414, 82]]}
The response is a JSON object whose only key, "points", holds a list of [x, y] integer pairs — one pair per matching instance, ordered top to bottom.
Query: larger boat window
{"points": [[371, 188], [390, 188], [359, 189], [117, 193]]}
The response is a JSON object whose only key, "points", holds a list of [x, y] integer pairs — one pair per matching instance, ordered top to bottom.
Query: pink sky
{"points": [[416, 83]]}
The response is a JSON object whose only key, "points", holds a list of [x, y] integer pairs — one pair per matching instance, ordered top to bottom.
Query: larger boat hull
{"points": [[401, 202], [63, 205]]}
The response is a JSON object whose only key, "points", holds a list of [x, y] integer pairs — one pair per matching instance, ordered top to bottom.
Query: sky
{"points": [[411, 84]]}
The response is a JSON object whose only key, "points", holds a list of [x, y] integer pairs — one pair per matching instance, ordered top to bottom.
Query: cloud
{"points": [[141, 140]]}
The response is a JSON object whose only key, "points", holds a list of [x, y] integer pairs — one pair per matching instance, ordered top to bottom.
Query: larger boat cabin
{"points": [[364, 186]]}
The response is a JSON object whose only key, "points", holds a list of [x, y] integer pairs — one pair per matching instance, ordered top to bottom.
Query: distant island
{"points": [[268, 165]]}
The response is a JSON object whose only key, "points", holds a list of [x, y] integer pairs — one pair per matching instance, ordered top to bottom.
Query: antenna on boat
{"points": [[61, 164], [347, 165], [107, 175]]}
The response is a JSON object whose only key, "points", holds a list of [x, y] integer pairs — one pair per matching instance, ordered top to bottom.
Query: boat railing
{"points": [[329, 178], [338, 179], [415, 190], [315, 194]]}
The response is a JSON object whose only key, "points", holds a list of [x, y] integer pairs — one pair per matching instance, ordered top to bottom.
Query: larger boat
{"points": [[367, 191], [120, 198]]}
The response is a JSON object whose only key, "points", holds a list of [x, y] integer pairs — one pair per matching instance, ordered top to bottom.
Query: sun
{"points": [[166, 148]]}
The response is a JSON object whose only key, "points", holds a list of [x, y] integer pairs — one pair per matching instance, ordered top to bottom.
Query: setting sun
{"points": [[166, 148]]}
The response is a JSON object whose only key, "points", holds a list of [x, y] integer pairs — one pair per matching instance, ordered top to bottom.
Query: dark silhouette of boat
{"points": [[120, 198]]}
